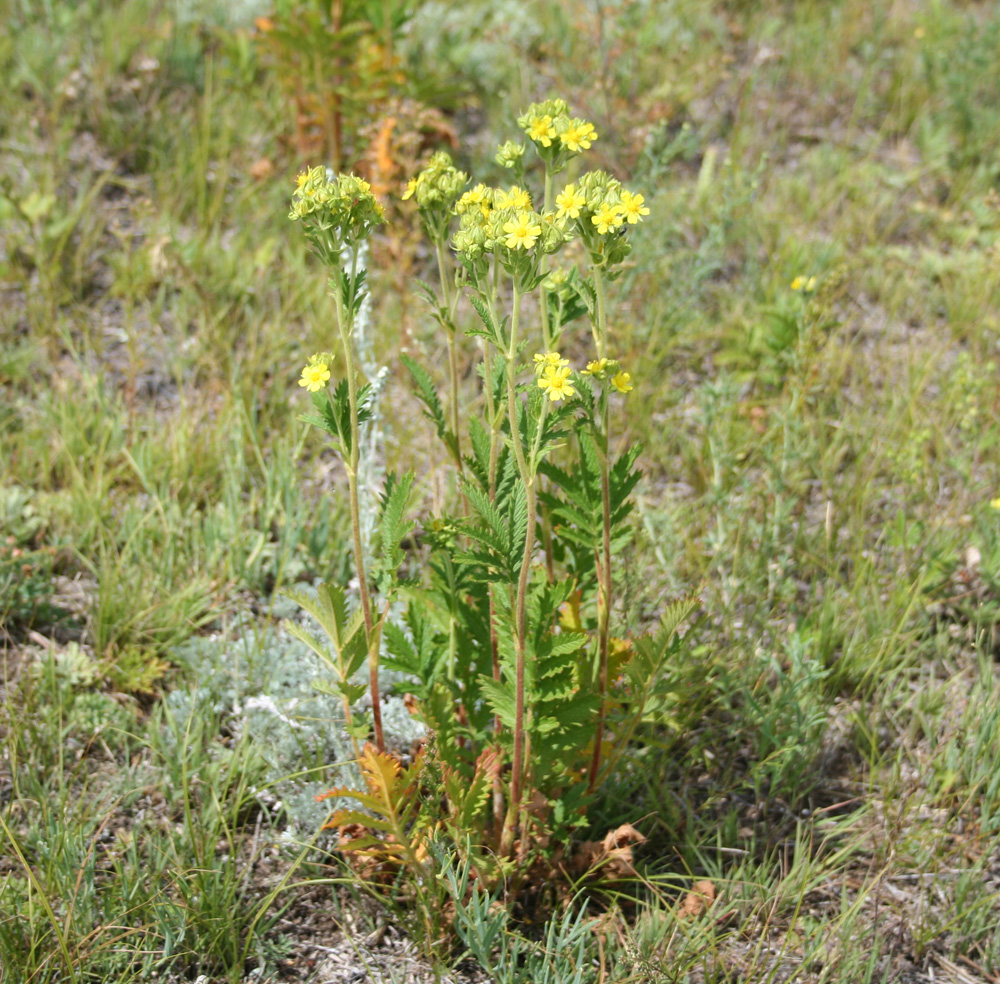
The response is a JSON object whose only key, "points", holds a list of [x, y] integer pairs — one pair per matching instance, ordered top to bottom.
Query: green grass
{"points": [[819, 468]]}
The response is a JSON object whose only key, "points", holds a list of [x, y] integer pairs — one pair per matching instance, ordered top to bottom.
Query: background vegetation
{"points": [[821, 466]]}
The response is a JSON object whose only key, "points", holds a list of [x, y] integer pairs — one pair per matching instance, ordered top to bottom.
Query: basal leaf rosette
{"points": [[334, 211]]}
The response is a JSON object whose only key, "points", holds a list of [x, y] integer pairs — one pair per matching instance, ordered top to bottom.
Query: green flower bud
{"points": [[510, 154]]}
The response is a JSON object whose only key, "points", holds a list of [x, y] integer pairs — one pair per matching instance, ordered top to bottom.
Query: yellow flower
{"points": [[542, 131], [578, 136], [301, 179], [411, 187], [474, 197], [512, 198], [570, 201], [633, 205], [608, 218], [522, 232], [808, 284], [811, 284], [550, 360], [596, 367], [315, 375], [622, 382], [556, 383], [995, 503]]}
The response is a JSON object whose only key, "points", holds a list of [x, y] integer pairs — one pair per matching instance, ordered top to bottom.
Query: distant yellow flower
{"points": [[542, 131], [578, 136], [301, 179], [411, 187], [570, 200], [633, 205], [608, 218], [523, 231], [798, 283], [811, 284], [550, 360], [315, 375], [622, 382], [556, 383], [995, 503]]}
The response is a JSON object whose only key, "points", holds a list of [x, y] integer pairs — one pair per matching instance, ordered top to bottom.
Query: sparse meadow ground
{"points": [[810, 317]]}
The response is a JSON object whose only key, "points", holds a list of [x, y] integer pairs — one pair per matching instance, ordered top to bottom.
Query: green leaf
{"points": [[490, 330], [433, 410], [393, 527], [352, 691], [501, 698]]}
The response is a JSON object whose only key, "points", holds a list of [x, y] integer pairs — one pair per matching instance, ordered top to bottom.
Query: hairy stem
{"points": [[449, 306], [345, 322], [604, 554], [604, 589], [520, 599]]}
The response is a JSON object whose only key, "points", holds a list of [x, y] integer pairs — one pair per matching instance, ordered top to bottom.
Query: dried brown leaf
{"points": [[698, 901]]}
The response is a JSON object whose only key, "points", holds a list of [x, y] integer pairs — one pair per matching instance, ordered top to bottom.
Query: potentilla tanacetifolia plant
{"points": [[507, 640]]}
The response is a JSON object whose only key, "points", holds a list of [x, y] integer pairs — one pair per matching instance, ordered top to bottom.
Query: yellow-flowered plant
{"points": [[506, 642]]}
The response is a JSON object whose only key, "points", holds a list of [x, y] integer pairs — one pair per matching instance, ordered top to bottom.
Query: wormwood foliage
{"points": [[505, 632]]}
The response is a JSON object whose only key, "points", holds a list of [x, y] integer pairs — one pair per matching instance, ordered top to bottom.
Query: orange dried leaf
{"points": [[612, 857], [698, 901]]}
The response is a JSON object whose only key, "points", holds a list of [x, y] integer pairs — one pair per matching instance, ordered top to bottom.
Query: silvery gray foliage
{"points": [[261, 682]]}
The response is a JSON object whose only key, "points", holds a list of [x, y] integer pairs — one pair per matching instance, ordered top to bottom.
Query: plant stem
{"points": [[543, 268], [449, 306], [345, 322], [599, 325], [546, 518], [604, 557], [604, 586], [520, 601]]}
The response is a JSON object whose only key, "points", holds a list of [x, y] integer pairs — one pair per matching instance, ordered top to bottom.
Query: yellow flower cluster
{"points": [[556, 135], [437, 186], [479, 198], [606, 203], [334, 210], [807, 284], [610, 370], [554, 373]]}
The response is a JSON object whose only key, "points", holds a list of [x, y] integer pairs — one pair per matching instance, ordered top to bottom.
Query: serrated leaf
{"points": [[433, 409], [393, 526], [304, 635], [352, 691], [500, 697], [357, 729], [469, 800]]}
